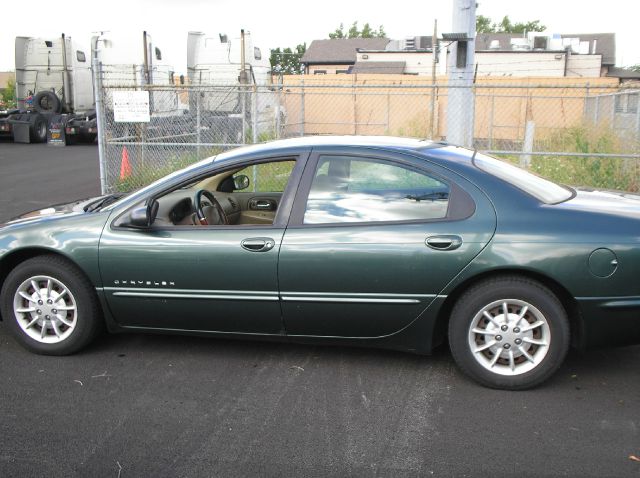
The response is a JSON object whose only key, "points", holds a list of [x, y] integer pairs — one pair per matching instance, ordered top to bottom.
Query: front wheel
{"points": [[49, 306], [509, 333]]}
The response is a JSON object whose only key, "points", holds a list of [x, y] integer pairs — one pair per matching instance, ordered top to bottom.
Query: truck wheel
{"points": [[47, 102], [38, 130]]}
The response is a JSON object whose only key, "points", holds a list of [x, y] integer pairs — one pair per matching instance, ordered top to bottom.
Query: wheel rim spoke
{"points": [[36, 287], [49, 288], [26, 296], [66, 307], [26, 311], [490, 318], [64, 320], [32, 323], [535, 325], [56, 329], [43, 330], [484, 332], [535, 341], [484, 347], [526, 354], [495, 358], [512, 361]]}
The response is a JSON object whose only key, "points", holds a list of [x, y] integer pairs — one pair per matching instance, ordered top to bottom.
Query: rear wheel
{"points": [[38, 130], [49, 306], [509, 333]]}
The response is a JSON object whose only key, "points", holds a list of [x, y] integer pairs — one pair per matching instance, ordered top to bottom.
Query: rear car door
{"points": [[373, 238]]}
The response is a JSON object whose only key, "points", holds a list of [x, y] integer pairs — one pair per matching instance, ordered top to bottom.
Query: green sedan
{"points": [[382, 242]]}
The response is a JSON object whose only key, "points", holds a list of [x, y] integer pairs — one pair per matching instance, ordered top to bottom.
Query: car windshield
{"points": [[540, 188]]}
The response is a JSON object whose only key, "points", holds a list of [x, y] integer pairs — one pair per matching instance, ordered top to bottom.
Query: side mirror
{"points": [[240, 182], [142, 217]]}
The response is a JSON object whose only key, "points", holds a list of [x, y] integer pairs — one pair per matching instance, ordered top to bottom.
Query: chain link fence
{"points": [[578, 134]]}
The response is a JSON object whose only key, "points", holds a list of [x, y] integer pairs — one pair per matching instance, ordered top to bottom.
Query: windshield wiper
{"points": [[102, 202]]}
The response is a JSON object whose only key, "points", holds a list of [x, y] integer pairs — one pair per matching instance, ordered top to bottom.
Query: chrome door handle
{"points": [[264, 205], [443, 243], [258, 244]]}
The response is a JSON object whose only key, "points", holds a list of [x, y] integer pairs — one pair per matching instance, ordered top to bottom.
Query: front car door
{"points": [[373, 239], [176, 275]]}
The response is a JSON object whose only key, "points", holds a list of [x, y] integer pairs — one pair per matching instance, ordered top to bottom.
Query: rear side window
{"points": [[540, 188], [347, 189]]}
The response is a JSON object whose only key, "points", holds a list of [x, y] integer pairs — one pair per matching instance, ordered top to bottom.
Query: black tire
{"points": [[47, 102], [38, 130], [89, 138], [82, 318], [523, 355]]}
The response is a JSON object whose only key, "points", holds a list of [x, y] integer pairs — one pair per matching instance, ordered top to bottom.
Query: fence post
{"points": [[97, 91], [279, 106], [302, 108], [355, 108], [388, 112], [244, 114], [254, 114], [491, 118], [637, 120], [198, 123], [529, 132]]}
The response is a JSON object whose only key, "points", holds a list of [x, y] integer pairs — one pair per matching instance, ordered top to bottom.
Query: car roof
{"points": [[389, 142]]}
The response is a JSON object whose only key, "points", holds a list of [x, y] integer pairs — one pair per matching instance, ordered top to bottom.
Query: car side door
{"points": [[373, 239], [213, 278]]}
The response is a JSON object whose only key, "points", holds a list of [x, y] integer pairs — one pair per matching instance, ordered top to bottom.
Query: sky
{"points": [[286, 23]]}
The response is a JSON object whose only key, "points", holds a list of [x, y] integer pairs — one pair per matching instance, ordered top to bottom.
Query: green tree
{"points": [[485, 25], [338, 32], [354, 32], [287, 61], [635, 68], [8, 95]]}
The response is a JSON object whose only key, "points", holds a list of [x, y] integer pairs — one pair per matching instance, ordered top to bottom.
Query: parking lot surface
{"points": [[153, 405]]}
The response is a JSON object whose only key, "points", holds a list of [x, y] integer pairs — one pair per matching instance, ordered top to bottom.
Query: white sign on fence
{"points": [[131, 106]]}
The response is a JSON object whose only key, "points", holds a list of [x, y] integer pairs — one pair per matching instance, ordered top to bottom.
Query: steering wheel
{"points": [[205, 214]]}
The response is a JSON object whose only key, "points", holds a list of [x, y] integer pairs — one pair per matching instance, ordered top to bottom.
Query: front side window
{"points": [[347, 189], [238, 197]]}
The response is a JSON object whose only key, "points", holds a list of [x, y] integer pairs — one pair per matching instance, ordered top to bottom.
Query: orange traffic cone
{"points": [[125, 166]]}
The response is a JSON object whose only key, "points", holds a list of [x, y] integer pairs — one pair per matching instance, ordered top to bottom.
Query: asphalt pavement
{"points": [[155, 406]]}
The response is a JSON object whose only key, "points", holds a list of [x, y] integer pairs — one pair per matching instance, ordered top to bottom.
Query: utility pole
{"points": [[434, 62], [461, 97]]}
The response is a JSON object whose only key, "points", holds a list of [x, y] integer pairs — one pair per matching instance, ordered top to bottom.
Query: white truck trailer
{"points": [[233, 74]]}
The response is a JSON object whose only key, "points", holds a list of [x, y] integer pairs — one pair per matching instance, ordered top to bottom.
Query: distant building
{"points": [[497, 54], [328, 57], [5, 76]]}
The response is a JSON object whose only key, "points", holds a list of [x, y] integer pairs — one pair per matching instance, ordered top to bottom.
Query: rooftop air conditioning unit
{"points": [[410, 43]]}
